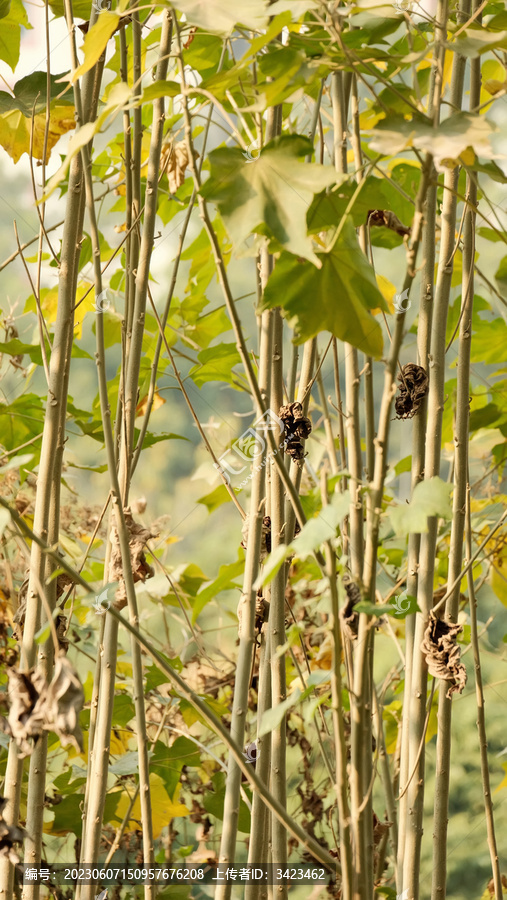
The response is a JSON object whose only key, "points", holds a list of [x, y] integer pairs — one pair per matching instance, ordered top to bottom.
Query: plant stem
{"points": [[481, 719]]}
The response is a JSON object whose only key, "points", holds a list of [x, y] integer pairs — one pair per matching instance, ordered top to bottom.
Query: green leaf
{"points": [[5, 6], [81, 9], [220, 16], [10, 33], [476, 40], [159, 89], [30, 93], [461, 130], [270, 195], [501, 272], [334, 298], [489, 341], [15, 347], [216, 364], [15, 462], [216, 498], [430, 498], [322, 527], [272, 565], [225, 581], [372, 609], [123, 708], [272, 717], [128, 764], [213, 803]]}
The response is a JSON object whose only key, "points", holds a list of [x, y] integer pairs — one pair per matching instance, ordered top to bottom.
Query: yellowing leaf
{"points": [[96, 40], [117, 98], [15, 131], [388, 290], [143, 404], [503, 783], [162, 807]]}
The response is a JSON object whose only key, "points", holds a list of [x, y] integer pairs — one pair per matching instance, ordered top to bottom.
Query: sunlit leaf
{"points": [[220, 16], [95, 41], [270, 195], [337, 297], [430, 498]]}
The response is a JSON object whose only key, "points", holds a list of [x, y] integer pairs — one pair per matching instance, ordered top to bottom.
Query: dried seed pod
{"points": [[389, 220], [412, 391], [265, 536], [348, 615]]}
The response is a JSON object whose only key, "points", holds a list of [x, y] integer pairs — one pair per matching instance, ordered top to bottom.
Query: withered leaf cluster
{"points": [[174, 161], [389, 220], [412, 391], [297, 428], [265, 547], [141, 570], [63, 582], [348, 615], [443, 654], [36, 706], [9, 835]]}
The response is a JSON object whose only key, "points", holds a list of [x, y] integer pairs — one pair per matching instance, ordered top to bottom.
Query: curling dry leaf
{"points": [[174, 161], [413, 388], [265, 547], [141, 570], [62, 583], [348, 615], [443, 653], [64, 702], [36, 706], [25, 721], [9, 834]]}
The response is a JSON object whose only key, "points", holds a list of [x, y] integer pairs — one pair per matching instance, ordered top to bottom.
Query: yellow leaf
{"points": [[96, 40], [494, 77], [493, 87], [15, 130], [467, 157], [388, 290], [142, 405], [503, 783], [162, 807]]}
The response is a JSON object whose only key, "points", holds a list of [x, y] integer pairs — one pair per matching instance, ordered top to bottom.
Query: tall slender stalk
{"points": [[461, 437], [46, 519], [428, 541], [246, 614], [277, 617], [481, 718], [99, 760], [344, 822]]}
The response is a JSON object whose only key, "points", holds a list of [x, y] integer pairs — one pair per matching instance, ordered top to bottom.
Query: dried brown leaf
{"points": [[174, 161], [141, 570], [443, 654], [36, 707], [9, 835]]}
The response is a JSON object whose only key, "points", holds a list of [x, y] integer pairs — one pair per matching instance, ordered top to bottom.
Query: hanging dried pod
{"points": [[412, 391], [141, 570], [443, 654]]}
